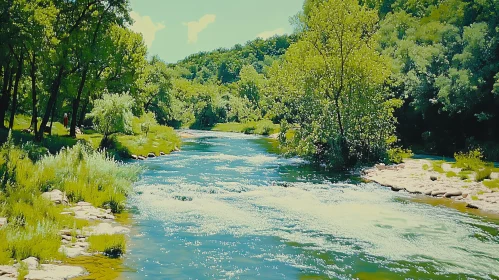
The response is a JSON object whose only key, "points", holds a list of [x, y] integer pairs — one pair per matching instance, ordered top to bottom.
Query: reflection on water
{"points": [[225, 207]]}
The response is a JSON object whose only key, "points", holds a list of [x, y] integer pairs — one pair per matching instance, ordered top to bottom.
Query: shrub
{"points": [[112, 114], [249, 129], [34, 151], [397, 154], [470, 161], [437, 166], [483, 174], [464, 175], [111, 245]]}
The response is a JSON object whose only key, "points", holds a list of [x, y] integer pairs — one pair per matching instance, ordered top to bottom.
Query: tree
{"points": [[331, 85], [112, 114]]}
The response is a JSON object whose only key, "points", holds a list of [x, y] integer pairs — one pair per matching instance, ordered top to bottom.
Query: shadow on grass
{"points": [[53, 143]]}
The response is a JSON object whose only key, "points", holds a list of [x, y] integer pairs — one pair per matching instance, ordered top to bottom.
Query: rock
{"points": [[176, 149], [162, 154], [151, 155], [134, 157], [141, 158], [381, 166], [433, 178], [396, 188], [428, 192], [438, 193], [453, 193], [465, 195], [56, 196], [84, 204], [471, 206], [3, 222], [107, 228], [67, 237], [31, 262], [7, 271], [55, 272]]}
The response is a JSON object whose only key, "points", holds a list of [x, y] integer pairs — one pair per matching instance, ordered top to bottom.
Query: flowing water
{"points": [[226, 208]]}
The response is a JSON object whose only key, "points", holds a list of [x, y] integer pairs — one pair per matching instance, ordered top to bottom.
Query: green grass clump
{"points": [[262, 127], [397, 155], [471, 161], [426, 166], [437, 166], [451, 174], [483, 174], [87, 175], [464, 175], [492, 184], [474, 197], [111, 245]]}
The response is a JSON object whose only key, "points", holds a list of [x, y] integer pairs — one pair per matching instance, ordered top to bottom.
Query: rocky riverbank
{"points": [[415, 177], [74, 242]]}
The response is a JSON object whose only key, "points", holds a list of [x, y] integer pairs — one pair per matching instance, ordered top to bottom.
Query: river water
{"points": [[226, 208]]}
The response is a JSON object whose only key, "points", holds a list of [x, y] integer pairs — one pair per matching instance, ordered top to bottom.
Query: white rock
{"points": [[56, 196], [107, 228], [31, 262], [7, 272], [55, 272]]}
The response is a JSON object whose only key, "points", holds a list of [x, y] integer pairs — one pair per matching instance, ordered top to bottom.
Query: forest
{"points": [[354, 81]]}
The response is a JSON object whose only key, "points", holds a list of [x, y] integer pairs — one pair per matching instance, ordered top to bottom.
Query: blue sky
{"points": [[174, 29]]}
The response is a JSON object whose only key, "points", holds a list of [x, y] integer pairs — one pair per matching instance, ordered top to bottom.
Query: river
{"points": [[227, 208]]}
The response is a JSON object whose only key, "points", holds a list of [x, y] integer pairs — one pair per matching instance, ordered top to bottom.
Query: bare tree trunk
{"points": [[16, 87], [4, 100], [51, 103], [76, 103], [83, 111], [34, 117]]}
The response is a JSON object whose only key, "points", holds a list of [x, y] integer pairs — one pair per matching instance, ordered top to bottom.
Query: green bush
{"points": [[249, 129], [397, 154], [470, 161], [483, 174], [111, 245]]}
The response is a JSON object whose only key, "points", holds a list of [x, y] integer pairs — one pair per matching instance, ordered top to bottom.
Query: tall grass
{"points": [[88, 175], [34, 222], [111, 245]]}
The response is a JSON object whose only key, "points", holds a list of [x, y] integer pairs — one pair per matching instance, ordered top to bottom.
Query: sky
{"points": [[174, 29]]}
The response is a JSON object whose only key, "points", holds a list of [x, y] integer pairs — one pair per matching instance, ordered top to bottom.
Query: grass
{"points": [[262, 127], [397, 155], [426, 166], [437, 166], [451, 174], [483, 174], [492, 184], [474, 197], [33, 222], [110, 245]]}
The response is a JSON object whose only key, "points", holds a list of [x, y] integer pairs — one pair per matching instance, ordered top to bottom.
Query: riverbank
{"points": [[438, 179]]}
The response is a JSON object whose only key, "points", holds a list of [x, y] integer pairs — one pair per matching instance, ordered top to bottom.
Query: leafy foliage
{"points": [[112, 114]]}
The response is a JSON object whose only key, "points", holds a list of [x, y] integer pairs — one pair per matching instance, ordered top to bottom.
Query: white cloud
{"points": [[145, 25], [195, 27], [267, 34]]}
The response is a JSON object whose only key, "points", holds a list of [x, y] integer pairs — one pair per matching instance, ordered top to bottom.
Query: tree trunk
{"points": [[16, 87], [4, 100], [51, 103], [76, 103], [83, 112], [34, 117], [52, 118]]}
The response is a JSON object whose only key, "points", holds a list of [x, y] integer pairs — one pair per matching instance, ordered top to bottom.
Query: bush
{"points": [[249, 129], [34, 151], [397, 155], [470, 161], [483, 174], [110, 245]]}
